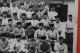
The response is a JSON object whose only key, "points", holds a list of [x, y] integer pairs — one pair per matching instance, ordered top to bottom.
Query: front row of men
{"points": [[16, 44]]}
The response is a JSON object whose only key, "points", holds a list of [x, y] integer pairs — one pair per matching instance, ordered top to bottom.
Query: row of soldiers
{"points": [[34, 31], [40, 34]]}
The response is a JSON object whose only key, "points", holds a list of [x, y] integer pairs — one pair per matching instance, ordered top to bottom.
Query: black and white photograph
{"points": [[38, 26]]}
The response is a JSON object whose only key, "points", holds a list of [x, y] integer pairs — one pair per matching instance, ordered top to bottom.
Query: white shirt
{"points": [[2, 9], [14, 9], [20, 11], [29, 14], [52, 15], [5, 21], [46, 22], [34, 23], [58, 26], [39, 33], [53, 34], [60, 48]]}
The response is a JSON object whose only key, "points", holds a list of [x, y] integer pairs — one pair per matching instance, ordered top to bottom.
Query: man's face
{"points": [[5, 4], [14, 4], [53, 9], [4, 15], [45, 16], [15, 17], [34, 17], [70, 18], [10, 23], [19, 26], [40, 27], [52, 28], [18, 39], [61, 40]]}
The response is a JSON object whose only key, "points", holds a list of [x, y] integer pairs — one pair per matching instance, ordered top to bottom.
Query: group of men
{"points": [[34, 30]]}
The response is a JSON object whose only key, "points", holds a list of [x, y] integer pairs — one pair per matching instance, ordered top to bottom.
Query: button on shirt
{"points": [[52, 15]]}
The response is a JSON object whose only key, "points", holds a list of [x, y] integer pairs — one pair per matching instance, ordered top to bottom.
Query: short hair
{"points": [[4, 1], [21, 4], [30, 6], [45, 13], [14, 14], [23, 14], [33, 14], [56, 16], [70, 16], [10, 20], [18, 23], [28, 24], [41, 24], [51, 25], [61, 38]]}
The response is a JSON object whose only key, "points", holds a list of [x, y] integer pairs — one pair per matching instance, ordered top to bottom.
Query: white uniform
{"points": [[2, 9], [13, 10], [20, 11], [29, 14], [52, 15], [46, 22], [34, 23], [58, 26], [39, 33], [53, 34], [12, 43], [60, 48]]}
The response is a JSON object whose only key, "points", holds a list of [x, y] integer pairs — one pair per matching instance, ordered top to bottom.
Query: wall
{"points": [[72, 9]]}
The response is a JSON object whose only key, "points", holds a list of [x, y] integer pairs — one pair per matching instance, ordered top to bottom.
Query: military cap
{"points": [[14, 14], [23, 14], [10, 20], [18, 23], [41, 24], [51, 25], [61, 38]]}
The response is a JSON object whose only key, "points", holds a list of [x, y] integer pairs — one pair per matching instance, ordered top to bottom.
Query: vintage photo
{"points": [[38, 26]]}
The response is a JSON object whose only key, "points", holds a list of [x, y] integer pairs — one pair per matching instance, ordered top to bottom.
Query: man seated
{"points": [[9, 28], [19, 30], [29, 31], [39, 32], [4, 45], [19, 45], [32, 46], [44, 46], [60, 47]]}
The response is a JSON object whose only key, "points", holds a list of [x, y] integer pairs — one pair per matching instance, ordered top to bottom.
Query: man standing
{"points": [[69, 33]]}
